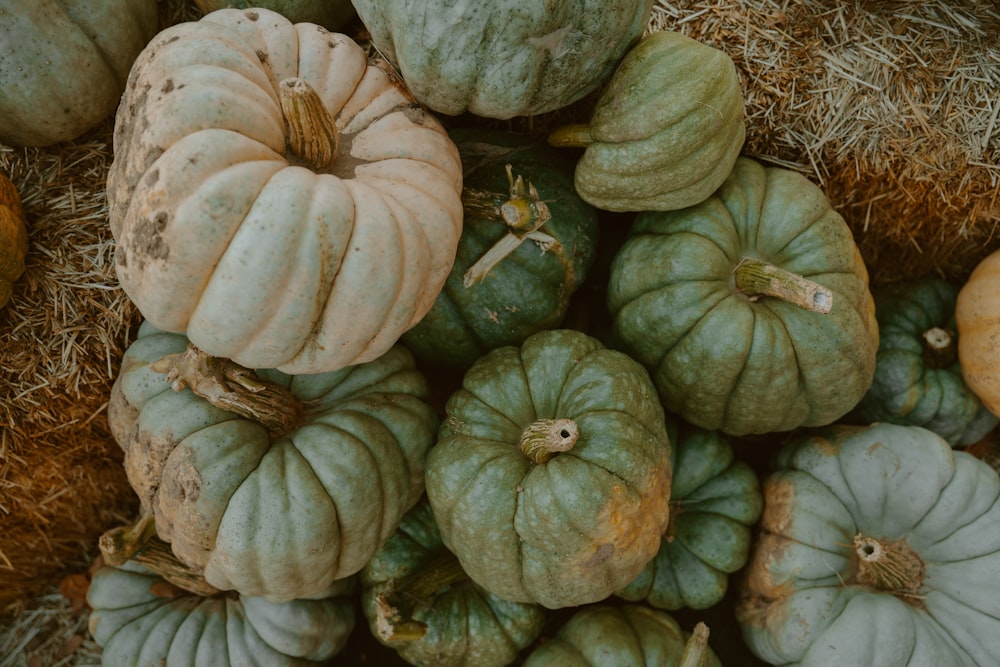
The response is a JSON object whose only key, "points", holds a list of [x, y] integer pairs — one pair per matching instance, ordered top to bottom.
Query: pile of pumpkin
{"points": [[317, 255]]}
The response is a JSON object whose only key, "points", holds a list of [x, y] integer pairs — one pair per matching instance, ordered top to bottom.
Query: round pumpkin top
{"points": [[503, 59], [63, 65], [276, 197], [13, 238], [723, 302], [550, 479], [281, 514], [878, 546], [139, 618]]}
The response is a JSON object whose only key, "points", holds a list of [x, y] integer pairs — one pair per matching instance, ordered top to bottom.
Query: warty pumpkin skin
{"points": [[503, 59], [63, 64], [666, 131], [276, 197], [13, 238], [488, 300], [723, 302], [977, 316], [918, 379], [550, 479], [714, 502], [275, 514], [878, 547], [420, 602], [138, 618], [631, 635]]}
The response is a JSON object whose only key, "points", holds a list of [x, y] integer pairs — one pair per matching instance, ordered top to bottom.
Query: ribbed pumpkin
{"points": [[503, 59], [63, 65], [666, 131], [276, 197], [13, 238], [527, 243], [751, 309], [977, 317], [918, 379], [550, 479], [281, 484], [714, 502], [878, 547], [419, 601], [138, 618], [627, 636]]}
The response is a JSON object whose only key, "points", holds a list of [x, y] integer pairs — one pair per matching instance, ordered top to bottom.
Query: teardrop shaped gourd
{"points": [[276, 197]]}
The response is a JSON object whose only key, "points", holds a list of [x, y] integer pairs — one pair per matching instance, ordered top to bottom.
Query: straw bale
{"points": [[892, 107]]}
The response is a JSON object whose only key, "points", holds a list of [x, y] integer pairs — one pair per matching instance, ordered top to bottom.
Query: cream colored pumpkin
{"points": [[235, 227]]}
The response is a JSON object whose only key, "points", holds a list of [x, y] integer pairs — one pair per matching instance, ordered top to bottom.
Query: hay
{"points": [[891, 107]]}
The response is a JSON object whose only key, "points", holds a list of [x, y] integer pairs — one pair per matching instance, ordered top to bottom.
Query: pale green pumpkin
{"points": [[503, 59], [63, 64], [666, 131], [277, 497], [878, 547], [138, 618]]}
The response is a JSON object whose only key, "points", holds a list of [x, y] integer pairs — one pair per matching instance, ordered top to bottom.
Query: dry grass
{"points": [[892, 107]]}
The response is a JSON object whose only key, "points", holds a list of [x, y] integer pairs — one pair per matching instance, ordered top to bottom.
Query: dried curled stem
{"points": [[234, 388], [890, 566]]}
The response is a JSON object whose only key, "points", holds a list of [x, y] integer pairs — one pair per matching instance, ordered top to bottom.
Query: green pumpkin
{"points": [[331, 14], [503, 59], [63, 65], [666, 131], [546, 235], [751, 309], [918, 380], [550, 479], [277, 497], [714, 502], [879, 546], [419, 601], [138, 618], [627, 636]]}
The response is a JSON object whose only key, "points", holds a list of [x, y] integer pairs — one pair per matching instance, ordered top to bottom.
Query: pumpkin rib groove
{"points": [[654, 295]]}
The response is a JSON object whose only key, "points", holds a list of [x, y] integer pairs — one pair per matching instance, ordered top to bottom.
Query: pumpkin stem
{"points": [[311, 131], [573, 135], [523, 212], [756, 278], [939, 347], [229, 386], [544, 438], [140, 543], [892, 567], [394, 606], [696, 647]]}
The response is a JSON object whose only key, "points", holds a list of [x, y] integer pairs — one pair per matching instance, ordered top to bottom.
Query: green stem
{"points": [[310, 129], [574, 135], [524, 213], [756, 278], [544, 438], [395, 605]]}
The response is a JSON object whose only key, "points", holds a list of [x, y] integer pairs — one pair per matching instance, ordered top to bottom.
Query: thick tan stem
{"points": [[310, 130], [574, 135], [523, 212], [756, 278], [940, 350], [234, 388], [544, 438], [139, 543], [890, 566], [696, 647]]}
